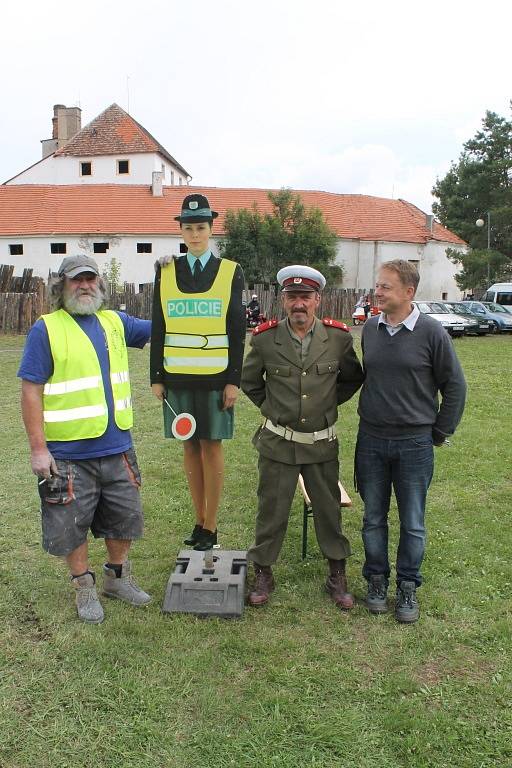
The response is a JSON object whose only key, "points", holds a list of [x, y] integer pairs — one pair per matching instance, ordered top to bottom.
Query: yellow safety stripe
{"points": [[196, 341], [196, 362], [120, 378], [71, 385], [122, 405], [73, 414]]}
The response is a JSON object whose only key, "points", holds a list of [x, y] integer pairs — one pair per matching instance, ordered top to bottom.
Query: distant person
{"points": [[254, 305], [367, 307], [253, 312], [197, 348], [408, 359], [297, 372], [77, 409]]}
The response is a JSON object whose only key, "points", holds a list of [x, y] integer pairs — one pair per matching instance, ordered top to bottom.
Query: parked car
{"points": [[499, 293], [358, 314], [501, 319], [454, 324], [479, 325]]}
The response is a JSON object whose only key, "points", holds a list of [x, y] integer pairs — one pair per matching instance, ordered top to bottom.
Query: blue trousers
{"points": [[406, 466]]}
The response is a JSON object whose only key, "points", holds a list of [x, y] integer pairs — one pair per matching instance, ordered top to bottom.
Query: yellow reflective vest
{"points": [[196, 340], [74, 403]]}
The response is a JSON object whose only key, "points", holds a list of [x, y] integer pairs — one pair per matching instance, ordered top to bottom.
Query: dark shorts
{"points": [[212, 423], [101, 495]]}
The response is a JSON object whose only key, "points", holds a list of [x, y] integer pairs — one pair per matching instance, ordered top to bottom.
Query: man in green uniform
{"points": [[297, 372]]}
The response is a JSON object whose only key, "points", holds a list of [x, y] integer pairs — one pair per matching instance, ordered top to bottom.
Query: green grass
{"points": [[296, 683]]}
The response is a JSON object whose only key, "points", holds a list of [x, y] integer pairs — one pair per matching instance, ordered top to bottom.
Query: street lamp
{"points": [[480, 223]]}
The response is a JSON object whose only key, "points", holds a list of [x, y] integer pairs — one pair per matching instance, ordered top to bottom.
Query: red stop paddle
{"points": [[183, 425]]}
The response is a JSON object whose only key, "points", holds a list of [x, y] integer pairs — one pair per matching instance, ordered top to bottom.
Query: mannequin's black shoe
{"points": [[194, 536], [206, 540]]}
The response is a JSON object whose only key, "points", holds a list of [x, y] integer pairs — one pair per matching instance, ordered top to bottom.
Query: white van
{"points": [[500, 293]]}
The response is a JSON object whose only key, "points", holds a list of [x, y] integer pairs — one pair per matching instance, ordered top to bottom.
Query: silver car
{"points": [[454, 324]]}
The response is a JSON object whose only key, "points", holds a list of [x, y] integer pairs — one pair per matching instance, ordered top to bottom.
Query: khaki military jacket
{"points": [[302, 395]]}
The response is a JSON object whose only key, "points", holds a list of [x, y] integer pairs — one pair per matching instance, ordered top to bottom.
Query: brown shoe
{"points": [[263, 585], [336, 586]]}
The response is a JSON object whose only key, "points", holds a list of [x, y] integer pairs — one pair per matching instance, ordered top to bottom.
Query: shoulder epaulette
{"points": [[335, 324], [265, 326]]}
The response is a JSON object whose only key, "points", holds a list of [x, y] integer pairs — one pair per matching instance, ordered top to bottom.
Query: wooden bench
{"points": [[345, 501]]}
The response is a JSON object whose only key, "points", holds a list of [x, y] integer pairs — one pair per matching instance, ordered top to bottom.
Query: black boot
{"points": [[194, 536], [206, 540]]}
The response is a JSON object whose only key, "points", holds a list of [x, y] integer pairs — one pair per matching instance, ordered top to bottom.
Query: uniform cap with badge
{"points": [[195, 209], [298, 277]]}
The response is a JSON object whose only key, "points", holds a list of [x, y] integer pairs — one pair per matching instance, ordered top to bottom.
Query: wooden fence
{"points": [[23, 299], [337, 303]]}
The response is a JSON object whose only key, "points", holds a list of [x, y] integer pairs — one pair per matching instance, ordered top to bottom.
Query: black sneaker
{"points": [[194, 536], [206, 540], [376, 599], [407, 609]]}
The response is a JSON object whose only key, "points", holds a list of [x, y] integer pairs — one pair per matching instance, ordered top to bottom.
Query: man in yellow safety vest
{"points": [[77, 409]]}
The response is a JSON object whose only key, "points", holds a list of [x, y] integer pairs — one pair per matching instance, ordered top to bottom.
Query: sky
{"points": [[363, 98]]}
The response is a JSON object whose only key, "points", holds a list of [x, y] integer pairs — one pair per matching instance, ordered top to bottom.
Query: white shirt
{"points": [[409, 322]]}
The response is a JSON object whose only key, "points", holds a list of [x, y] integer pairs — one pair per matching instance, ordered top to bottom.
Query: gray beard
{"points": [[74, 306]]}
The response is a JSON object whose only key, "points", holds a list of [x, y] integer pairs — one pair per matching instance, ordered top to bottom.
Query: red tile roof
{"points": [[114, 132], [27, 209]]}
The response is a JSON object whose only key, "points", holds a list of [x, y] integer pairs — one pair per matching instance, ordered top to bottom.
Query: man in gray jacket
{"points": [[408, 359]]}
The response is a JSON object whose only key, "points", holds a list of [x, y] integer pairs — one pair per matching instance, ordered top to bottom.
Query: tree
{"points": [[478, 185], [291, 234], [480, 268], [112, 274]]}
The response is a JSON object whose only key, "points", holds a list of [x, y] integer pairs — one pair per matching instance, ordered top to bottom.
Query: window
{"points": [[123, 166], [86, 168], [163, 170], [172, 177], [180, 180], [57, 247], [100, 247], [144, 247], [183, 248], [16, 249], [444, 296]]}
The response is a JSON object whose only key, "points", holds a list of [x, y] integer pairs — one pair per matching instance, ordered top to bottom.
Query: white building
{"points": [[112, 149], [112, 190]]}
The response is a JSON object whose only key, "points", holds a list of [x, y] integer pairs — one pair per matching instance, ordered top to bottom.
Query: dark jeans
{"points": [[407, 467]]}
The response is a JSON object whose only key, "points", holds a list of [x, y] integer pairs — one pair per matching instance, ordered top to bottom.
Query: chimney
{"points": [[55, 120], [66, 122], [69, 122], [157, 184], [429, 221]]}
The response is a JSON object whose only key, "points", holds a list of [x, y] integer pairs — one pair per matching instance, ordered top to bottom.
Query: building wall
{"points": [[66, 170], [360, 260], [135, 267]]}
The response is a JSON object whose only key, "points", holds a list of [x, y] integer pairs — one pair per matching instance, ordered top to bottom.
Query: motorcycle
{"points": [[358, 315], [254, 318]]}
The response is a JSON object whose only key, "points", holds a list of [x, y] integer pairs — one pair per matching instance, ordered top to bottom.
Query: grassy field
{"points": [[296, 683]]}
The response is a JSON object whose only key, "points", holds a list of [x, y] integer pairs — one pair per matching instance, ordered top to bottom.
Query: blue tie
{"points": [[197, 269]]}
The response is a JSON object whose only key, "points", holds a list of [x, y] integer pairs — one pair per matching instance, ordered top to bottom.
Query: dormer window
{"points": [[123, 167], [85, 168]]}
